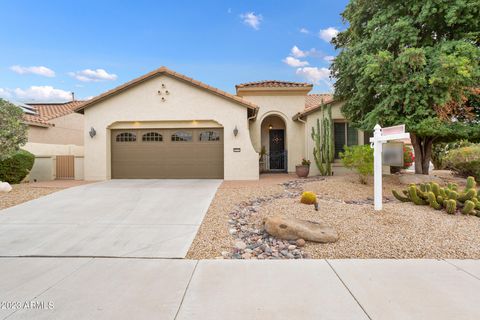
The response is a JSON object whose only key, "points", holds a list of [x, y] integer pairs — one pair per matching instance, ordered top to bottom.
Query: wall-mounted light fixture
{"points": [[270, 127], [235, 131], [92, 132]]}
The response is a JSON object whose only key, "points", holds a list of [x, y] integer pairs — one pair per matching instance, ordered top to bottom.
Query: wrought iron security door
{"points": [[277, 154]]}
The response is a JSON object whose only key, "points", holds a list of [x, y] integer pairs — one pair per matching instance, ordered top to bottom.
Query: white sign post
{"points": [[380, 136]]}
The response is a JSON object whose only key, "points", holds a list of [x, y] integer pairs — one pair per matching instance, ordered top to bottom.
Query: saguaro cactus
{"points": [[323, 151]]}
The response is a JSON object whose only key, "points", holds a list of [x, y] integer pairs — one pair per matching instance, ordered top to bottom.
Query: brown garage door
{"points": [[167, 154]]}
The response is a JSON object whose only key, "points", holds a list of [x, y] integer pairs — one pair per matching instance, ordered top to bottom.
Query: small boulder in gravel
{"points": [[5, 187], [289, 228], [300, 243], [240, 245]]}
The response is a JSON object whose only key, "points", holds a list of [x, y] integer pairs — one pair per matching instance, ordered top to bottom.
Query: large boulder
{"points": [[293, 229]]}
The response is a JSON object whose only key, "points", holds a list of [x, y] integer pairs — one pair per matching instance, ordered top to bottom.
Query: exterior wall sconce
{"points": [[270, 127], [235, 131], [92, 132]]}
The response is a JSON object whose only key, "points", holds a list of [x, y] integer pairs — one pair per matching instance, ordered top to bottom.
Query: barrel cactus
{"points": [[309, 197]]}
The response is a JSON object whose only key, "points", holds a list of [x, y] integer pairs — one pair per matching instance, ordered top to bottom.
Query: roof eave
{"points": [[167, 72], [300, 115], [38, 124]]}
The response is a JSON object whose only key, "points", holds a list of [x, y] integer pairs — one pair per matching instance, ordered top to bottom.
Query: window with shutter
{"points": [[352, 135], [339, 137]]}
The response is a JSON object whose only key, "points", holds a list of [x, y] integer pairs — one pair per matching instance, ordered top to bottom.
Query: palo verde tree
{"points": [[412, 62], [13, 132]]}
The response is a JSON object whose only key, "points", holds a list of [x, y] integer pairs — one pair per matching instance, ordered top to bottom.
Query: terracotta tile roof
{"points": [[165, 70], [273, 84], [315, 100], [49, 111], [36, 120]]}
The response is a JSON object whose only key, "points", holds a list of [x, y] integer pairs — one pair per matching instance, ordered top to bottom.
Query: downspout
{"points": [[255, 113], [305, 133]]}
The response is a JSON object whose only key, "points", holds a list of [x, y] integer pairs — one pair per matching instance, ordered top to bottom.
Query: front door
{"points": [[277, 149]]}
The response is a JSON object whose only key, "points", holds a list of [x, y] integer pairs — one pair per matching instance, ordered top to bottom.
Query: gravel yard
{"points": [[22, 193], [401, 230]]}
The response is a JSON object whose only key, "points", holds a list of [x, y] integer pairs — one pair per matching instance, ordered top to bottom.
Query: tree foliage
{"points": [[412, 62], [13, 132]]}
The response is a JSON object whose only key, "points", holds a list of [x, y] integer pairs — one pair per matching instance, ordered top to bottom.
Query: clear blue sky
{"points": [[50, 48]]}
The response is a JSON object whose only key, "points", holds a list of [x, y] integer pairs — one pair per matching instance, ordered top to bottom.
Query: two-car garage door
{"points": [[167, 153]]}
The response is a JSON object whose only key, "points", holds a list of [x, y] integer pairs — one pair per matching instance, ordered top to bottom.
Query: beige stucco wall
{"points": [[185, 103], [284, 106], [67, 129], [49, 149], [45, 160]]}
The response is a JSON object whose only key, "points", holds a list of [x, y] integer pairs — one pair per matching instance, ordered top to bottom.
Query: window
{"points": [[344, 134], [152, 136], [182, 136], [209, 136], [366, 136], [126, 137]]}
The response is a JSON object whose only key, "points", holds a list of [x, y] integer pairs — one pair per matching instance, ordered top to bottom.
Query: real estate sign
{"points": [[380, 137], [392, 154]]}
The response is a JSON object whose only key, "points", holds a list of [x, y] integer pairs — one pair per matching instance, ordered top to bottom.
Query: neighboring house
{"points": [[167, 125], [55, 137]]}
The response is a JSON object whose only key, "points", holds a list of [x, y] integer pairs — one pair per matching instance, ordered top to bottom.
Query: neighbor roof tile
{"points": [[273, 84], [49, 111]]}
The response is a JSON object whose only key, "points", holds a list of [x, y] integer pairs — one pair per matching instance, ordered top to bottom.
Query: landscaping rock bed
{"points": [[400, 231], [253, 241]]}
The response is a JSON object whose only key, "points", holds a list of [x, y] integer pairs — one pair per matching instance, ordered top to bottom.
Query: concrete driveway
{"points": [[116, 218]]}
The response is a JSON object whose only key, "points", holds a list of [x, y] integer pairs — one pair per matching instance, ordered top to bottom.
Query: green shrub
{"points": [[441, 150], [359, 158], [465, 161], [16, 168]]}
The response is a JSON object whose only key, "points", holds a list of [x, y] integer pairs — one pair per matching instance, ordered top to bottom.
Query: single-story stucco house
{"points": [[166, 125], [55, 137]]}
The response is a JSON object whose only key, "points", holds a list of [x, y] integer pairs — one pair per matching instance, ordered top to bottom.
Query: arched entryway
{"points": [[274, 146]]}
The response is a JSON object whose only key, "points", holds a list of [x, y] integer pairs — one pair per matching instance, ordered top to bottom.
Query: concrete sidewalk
{"points": [[120, 288]]}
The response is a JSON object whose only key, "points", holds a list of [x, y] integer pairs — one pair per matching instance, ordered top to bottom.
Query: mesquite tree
{"points": [[412, 62], [13, 132]]}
